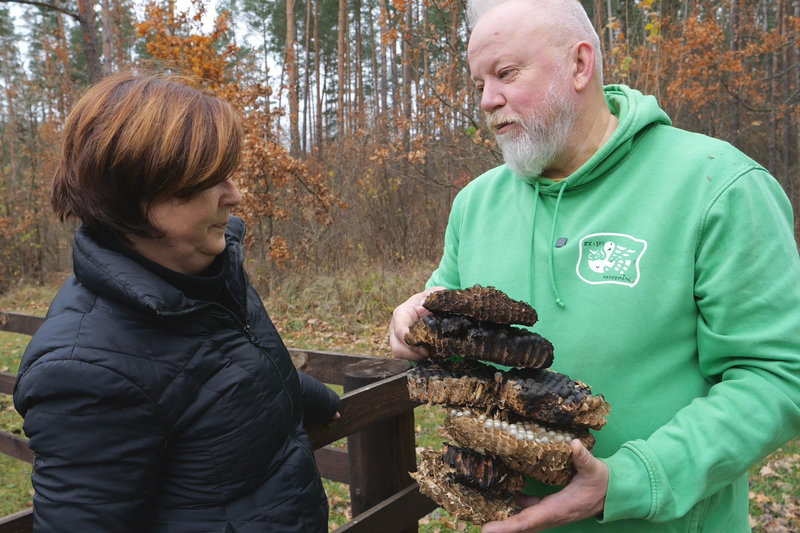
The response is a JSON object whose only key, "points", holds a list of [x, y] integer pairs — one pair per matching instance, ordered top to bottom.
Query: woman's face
{"points": [[193, 229]]}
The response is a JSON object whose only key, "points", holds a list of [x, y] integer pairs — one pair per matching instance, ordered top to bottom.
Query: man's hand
{"points": [[403, 316], [583, 497]]}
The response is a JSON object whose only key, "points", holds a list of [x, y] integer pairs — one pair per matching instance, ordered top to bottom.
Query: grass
{"points": [[349, 313], [15, 487]]}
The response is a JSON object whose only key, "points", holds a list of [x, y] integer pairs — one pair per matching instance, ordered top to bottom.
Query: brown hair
{"points": [[134, 139]]}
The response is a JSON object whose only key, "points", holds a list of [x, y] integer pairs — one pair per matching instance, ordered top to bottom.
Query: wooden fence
{"points": [[377, 419]]}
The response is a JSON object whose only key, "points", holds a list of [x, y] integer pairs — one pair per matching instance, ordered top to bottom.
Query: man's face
{"points": [[525, 93], [542, 134]]}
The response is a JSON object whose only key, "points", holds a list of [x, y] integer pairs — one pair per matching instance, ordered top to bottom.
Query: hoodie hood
{"points": [[635, 112], [538, 202]]}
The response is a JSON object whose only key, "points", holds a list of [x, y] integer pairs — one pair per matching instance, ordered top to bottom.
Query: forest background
{"points": [[361, 120], [361, 126]]}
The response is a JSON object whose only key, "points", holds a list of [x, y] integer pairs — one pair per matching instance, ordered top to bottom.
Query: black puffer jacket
{"points": [[149, 411]]}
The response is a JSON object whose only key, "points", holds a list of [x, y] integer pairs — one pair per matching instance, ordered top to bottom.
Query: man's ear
{"points": [[583, 65]]}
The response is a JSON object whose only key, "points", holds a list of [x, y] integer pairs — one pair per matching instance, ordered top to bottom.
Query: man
{"points": [[662, 264]]}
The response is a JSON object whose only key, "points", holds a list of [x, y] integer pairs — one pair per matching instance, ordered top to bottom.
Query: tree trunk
{"points": [[609, 14], [599, 22], [89, 31], [341, 54], [108, 55], [63, 56], [121, 57], [373, 60], [785, 60], [453, 73], [291, 75], [384, 76], [307, 80], [318, 82], [407, 82], [735, 106], [358, 112], [10, 132]]}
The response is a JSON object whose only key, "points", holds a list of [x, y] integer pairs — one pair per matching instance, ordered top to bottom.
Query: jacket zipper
{"points": [[255, 340]]}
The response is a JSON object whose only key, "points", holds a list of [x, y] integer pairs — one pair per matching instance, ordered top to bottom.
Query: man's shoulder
{"points": [[692, 143], [496, 178]]}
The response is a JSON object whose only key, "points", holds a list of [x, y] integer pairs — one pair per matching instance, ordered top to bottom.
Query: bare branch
{"points": [[45, 5]]}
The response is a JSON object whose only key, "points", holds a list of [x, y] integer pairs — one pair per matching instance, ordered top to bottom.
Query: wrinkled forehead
{"points": [[513, 23], [501, 35]]}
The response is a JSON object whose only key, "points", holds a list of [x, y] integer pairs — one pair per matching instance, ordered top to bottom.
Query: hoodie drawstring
{"points": [[533, 233], [551, 246]]}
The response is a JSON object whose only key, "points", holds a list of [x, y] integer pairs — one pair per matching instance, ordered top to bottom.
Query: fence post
{"points": [[381, 455]]}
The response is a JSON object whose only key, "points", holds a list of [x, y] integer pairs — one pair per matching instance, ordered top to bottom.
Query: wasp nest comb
{"points": [[483, 303], [475, 323], [536, 393], [505, 424], [440, 482]]}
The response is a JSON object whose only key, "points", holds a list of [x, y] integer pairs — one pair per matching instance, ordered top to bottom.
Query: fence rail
{"points": [[377, 419]]}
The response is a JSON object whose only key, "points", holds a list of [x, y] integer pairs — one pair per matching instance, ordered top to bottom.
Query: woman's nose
{"points": [[231, 195]]}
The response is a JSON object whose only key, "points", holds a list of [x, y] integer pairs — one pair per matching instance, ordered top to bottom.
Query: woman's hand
{"points": [[403, 316], [583, 497]]}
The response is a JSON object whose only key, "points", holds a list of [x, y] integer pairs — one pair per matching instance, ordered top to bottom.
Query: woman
{"points": [[157, 395]]}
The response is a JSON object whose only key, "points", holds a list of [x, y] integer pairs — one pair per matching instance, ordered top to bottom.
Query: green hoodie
{"points": [[666, 275]]}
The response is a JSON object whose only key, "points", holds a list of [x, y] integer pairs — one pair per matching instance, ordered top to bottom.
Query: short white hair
{"points": [[572, 17]]}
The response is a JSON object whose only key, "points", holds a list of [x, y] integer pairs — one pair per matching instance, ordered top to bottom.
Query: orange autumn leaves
{"points": [[276, 187]]}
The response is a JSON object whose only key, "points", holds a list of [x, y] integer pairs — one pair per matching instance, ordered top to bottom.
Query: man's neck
{"points": [[587, 139]]}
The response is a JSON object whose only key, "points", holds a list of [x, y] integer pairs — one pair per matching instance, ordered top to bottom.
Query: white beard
{"points": [[543, 136]]}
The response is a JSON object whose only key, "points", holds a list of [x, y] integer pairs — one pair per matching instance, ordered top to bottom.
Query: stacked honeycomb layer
{"points": [[504, 423]]}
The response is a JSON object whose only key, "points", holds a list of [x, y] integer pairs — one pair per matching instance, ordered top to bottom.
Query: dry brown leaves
{"points": [[778, 511]]}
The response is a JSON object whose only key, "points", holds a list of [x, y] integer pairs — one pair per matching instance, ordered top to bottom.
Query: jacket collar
{"points": [[112, 274]]}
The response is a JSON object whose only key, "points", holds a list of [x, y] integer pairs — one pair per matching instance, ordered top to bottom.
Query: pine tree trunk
{"points": [[105, 19], [89, 31], [342, 58], [291, 75], [384, 76], [306, 80], [317, 81], [358, 112]]}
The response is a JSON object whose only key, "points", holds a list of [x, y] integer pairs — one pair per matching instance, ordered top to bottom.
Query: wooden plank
{"points": [[17, 323], [328, 367], [7, 383], [366, 405], [374, 444], [15, 446], [333, 463], [393, 514], [20, 522]]}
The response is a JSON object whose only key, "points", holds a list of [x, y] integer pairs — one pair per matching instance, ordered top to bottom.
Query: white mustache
{"points": [[496, 118]]}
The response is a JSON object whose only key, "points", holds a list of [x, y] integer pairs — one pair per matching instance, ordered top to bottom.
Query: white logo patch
{"points": [[610, 258]]}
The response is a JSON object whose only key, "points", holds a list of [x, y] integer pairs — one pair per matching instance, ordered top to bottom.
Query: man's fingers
{"points": [[403, 316], [580, 455], [586, 464], [526, 501]]}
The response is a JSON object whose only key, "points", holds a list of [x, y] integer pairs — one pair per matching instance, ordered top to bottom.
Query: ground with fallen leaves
{"points": [[359, 326], [775, 491]]}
